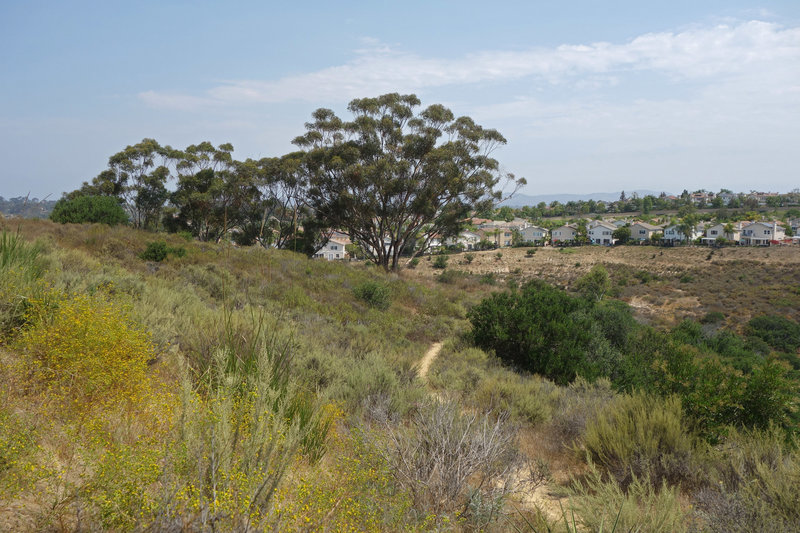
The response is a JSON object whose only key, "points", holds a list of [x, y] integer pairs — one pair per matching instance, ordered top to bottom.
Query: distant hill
{"points": [[519, 200]]}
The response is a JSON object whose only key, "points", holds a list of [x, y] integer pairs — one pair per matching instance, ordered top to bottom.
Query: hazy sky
{"points": [[592, 96]]}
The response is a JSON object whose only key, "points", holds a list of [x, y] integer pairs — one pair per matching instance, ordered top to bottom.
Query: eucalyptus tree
{"points": [[137, 176], [393, 177], [214, 192]]}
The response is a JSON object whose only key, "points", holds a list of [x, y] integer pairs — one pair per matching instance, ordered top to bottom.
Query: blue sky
{"points": [[592, 96]]}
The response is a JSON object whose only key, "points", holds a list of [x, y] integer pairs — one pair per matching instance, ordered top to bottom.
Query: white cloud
{"points": [[700, 53]]}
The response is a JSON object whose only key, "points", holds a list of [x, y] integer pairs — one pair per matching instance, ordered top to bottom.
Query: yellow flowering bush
{"points": [[89, 353]]}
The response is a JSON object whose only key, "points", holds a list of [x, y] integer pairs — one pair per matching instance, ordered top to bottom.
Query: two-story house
{"points": [[642, 231], [566, 233], [601, 233], [762, 233]]}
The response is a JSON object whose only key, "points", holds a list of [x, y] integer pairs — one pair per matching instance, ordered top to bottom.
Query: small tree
{"points": [[622, 235], [595, 284]]}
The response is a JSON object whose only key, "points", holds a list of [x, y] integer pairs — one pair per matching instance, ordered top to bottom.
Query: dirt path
{"points": [[425, 364], [540, 497]]}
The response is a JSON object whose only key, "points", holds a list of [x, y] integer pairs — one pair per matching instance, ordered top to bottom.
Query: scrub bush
{"points": [[376, 294], [89, 352], [639, 436]]}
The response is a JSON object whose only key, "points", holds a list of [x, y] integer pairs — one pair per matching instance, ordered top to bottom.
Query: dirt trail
{"points": [[427, 359], [541, 497]]}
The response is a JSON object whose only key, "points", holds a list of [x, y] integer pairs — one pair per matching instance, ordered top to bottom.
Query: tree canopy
{"points": [[394, 178], [88, 208]]}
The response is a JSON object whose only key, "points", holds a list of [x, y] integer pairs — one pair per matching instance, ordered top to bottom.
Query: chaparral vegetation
{"points": [[190, 366]]}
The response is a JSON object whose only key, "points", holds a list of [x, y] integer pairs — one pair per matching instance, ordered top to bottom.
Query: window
{"points": [[713, 232], [334, 247]]}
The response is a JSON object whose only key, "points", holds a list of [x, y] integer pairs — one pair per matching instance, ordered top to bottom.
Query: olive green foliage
{"points": [[395, 174], [89, 208], [158, 251], [440, 262], [21, 267], [595, 284], [375, 293], [544, 330], [777, 331], [718, 376], [713, 394], [641, 436], [755, 484], [598, 504]]}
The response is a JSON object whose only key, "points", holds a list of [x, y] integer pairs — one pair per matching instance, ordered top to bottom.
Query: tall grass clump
{"points": [[21, 268], [243, 423], [640, 436], [756, 484], [599, 504]]}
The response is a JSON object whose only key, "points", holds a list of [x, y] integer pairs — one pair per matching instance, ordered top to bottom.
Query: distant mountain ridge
{"points": [[519, 200]]}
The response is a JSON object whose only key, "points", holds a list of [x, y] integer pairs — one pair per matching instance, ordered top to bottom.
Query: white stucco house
{"points": [[718, 230], [642, 231], [565, 233], [602, 233], [762, 233], [534, 234], [673, 234], [468, 240], [334, 249]]}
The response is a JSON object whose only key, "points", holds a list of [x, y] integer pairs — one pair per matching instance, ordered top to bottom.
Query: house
{"points": [[726, 197], [701, 198], [794, 223], [718, 230], [642, 231], [566, 233], [602, 233], [762, 233], [534, 234], [673, 234], [497, 235], [467, 240], [334, 249]]}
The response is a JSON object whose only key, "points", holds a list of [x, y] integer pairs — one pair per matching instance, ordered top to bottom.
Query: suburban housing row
{"points": [[502, 234]]}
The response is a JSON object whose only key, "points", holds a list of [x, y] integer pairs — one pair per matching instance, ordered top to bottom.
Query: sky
{"points": [[592, 96]]}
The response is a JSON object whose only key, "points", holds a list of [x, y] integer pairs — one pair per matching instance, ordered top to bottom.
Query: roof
{"points": [[647, 226]]}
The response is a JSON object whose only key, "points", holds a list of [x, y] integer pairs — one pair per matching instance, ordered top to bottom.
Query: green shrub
{"points": [[98, 209], [157, 251], [530, 252], [469, 257], [440, 262], [413, 263], [21, 269], [451, 276], [686, 278], [487, 279], [376, 294], [713, 317], [543, 330], [777, 331], [640, 436]]}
